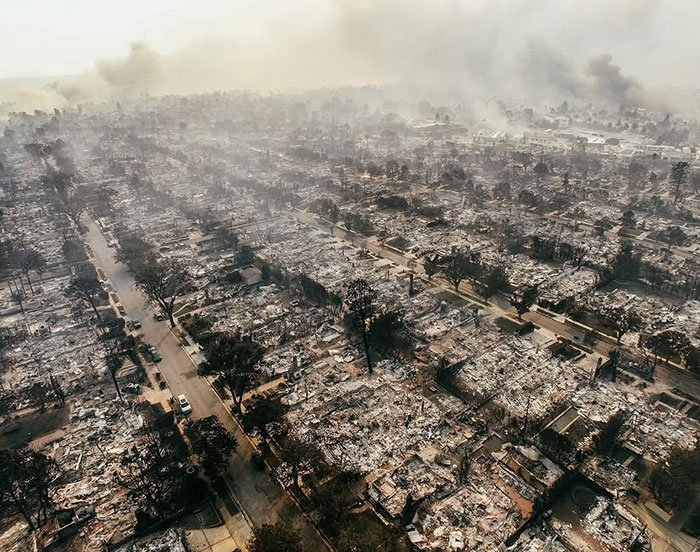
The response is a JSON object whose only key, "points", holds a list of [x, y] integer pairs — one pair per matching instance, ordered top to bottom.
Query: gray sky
{"points": [[55, 37], [531, 46]]}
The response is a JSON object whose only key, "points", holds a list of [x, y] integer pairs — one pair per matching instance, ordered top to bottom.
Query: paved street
{"points": [[664, 374], [260, 498]]}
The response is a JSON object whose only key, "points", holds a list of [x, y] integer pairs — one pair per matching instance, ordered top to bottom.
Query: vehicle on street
{"points": [[133, 324], [151, 352], [184, 404], [258, 461]]}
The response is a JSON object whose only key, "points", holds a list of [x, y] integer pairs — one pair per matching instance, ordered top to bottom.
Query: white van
{"points": [[185, 406]]}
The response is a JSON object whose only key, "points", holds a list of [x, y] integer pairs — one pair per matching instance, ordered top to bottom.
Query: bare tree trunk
{"points": [[26, 272], [21, 283], [17, 293], [94, 307], [169, 310], [365, 343], [113, 373], [234, 396]]}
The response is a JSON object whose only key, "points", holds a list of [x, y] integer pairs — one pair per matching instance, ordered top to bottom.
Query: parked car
{"points": [[158, 316], [133, 324], [151, 352], [134, 388], [184, 404], [258, 461]]}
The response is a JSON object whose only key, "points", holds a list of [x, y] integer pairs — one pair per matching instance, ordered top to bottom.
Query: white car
{"points": [[185, 406]]}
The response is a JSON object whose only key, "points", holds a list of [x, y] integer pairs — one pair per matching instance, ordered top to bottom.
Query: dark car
{"points": [[151, 352], [258, 461]]}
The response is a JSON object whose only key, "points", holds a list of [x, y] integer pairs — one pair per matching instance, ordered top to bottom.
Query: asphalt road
{"points": [[673, 378], [259, 496]]}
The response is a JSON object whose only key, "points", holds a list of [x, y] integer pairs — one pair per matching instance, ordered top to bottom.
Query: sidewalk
{"points": [[213, 539]]}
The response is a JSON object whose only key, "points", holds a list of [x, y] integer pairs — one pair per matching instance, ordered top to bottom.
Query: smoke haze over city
{"points": [[536, 50]]}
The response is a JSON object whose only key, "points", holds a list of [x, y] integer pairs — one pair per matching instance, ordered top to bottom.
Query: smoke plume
{"points": [[541, 51]]}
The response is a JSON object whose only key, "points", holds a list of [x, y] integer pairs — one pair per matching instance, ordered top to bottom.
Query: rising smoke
{"points": [[544, 51]]}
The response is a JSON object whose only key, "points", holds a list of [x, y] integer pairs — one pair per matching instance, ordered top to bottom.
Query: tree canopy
{"points": [[163, 281], [87, 288], [360, 297], [234, 360], [261, 414], [212, 443], [153, 471], [27, 482], [280, 537]]}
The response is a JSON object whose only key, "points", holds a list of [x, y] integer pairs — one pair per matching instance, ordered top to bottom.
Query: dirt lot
{"points": [[21, 430]]}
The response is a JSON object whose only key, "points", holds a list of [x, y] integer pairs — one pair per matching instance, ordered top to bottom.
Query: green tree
{"points": [[541, 170], [628, 220], [673, 235], [227, 237], [133, 251], [245, 256], [627, 262], [430, 264], [459, 266], [493, 281], [621, 321], [388, 334], [669, 344], [614, 357], [234, 360], [692, 360], [263, 413], [212, 443], [301, 457], [153, 471], [673, 481], [333, 499], [280, 537], [369, 538]]}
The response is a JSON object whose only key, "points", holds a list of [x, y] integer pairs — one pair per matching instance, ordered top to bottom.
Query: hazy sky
{"points": [[56, 37], [535, 47]]}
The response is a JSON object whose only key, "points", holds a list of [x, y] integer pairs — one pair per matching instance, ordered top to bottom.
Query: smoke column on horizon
{"points": [[532, 50]]}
